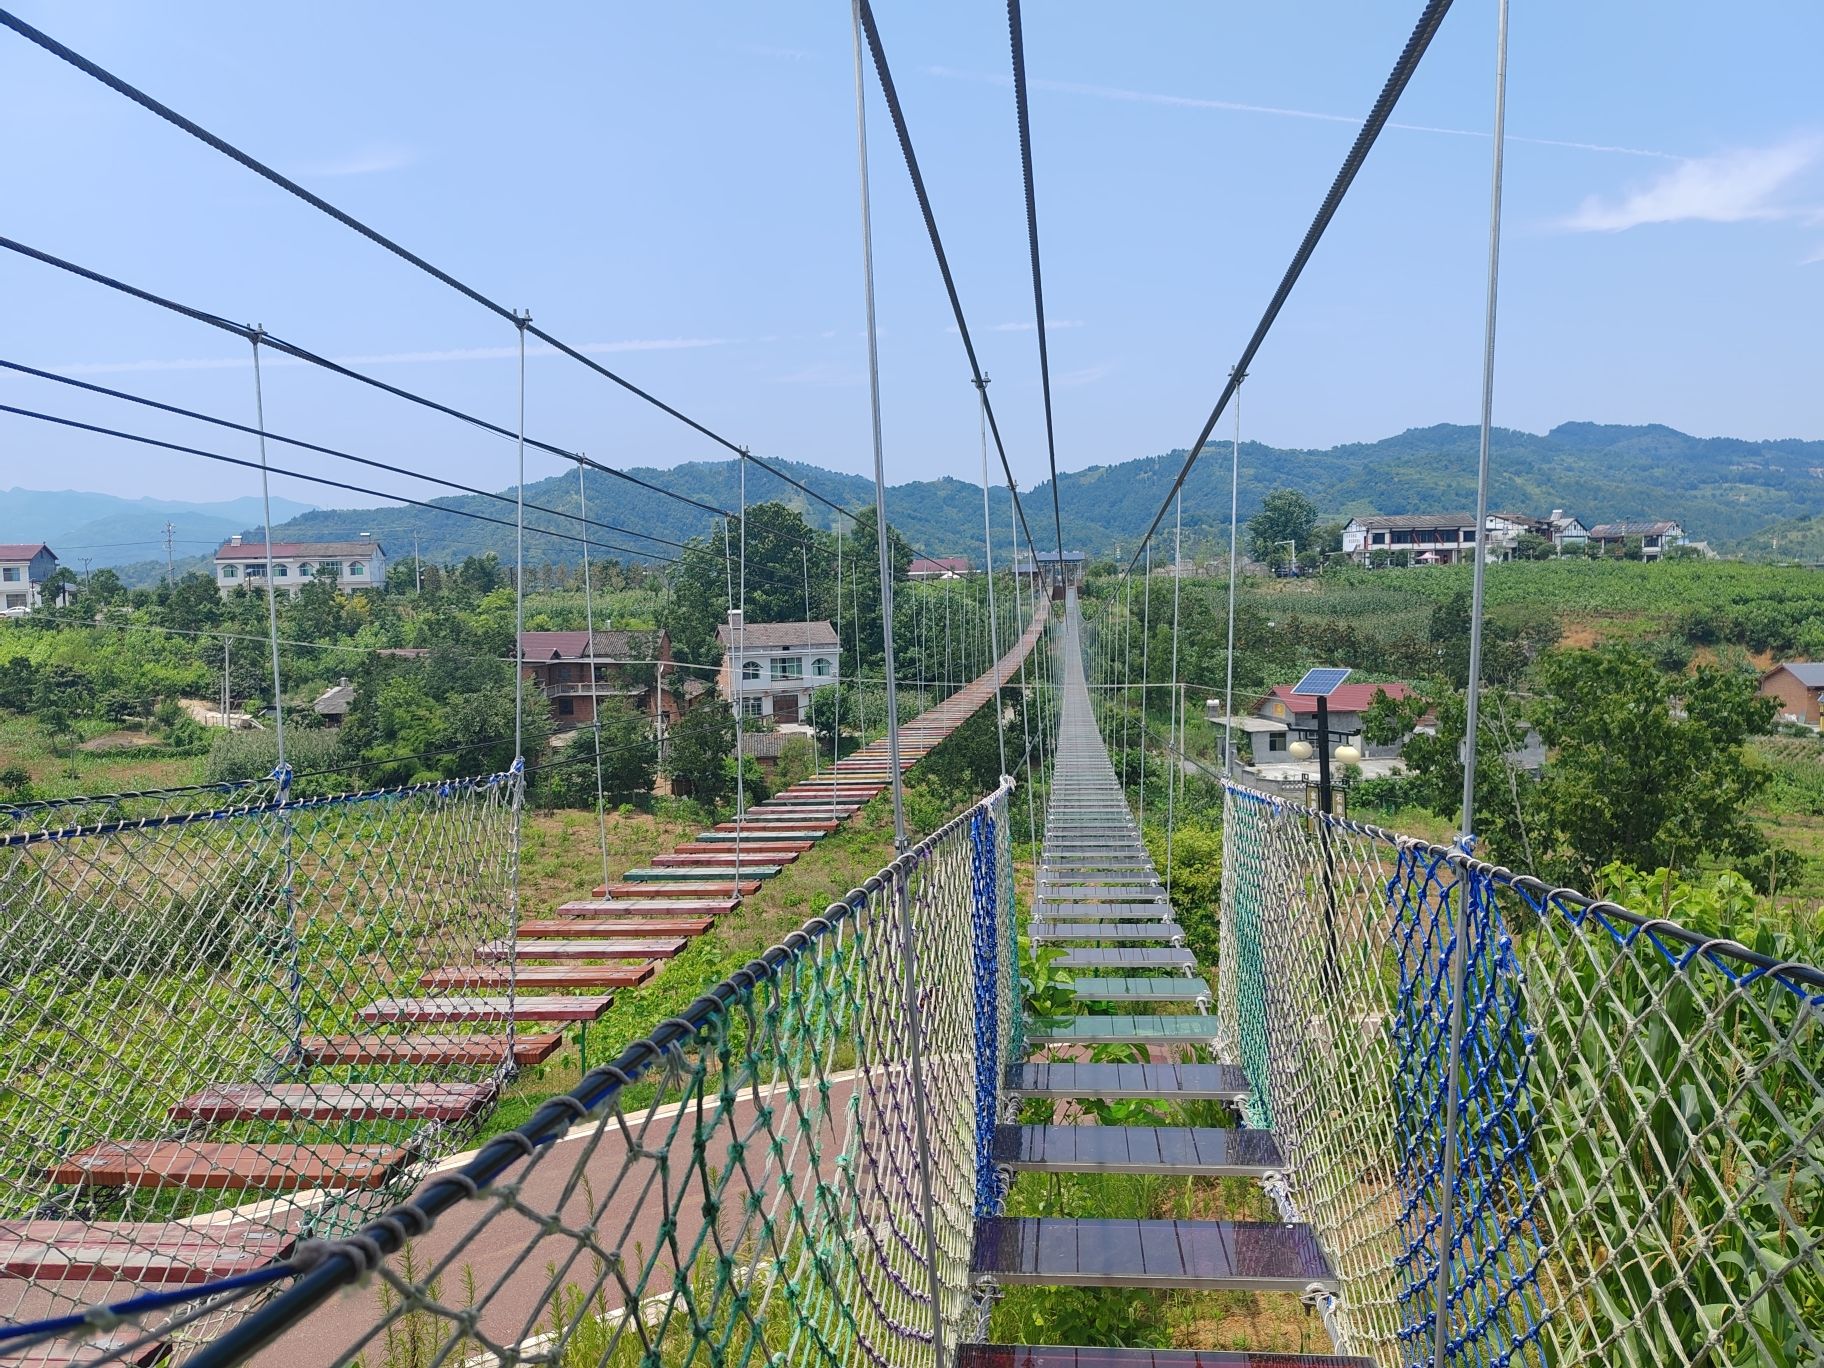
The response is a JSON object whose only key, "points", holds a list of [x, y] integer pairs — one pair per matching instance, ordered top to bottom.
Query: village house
{"points": [[1421, 538], [1656, 538], [349, 565], [24, 567], [938, 567], [773, 668], [575, 673], [1795, 686], [1283, 717]]}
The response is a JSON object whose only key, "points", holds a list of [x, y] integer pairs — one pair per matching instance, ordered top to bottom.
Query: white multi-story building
{"points": [[349, 565], [24, 567], [775, 667]]}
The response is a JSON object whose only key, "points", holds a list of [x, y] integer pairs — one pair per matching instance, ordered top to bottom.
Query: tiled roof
{"points": [[1406, 522], [1633, 529], [335, 550], [22, 551], [939, 565], [764, 636], [609, 645], [1807, 672], [1350, 698]]}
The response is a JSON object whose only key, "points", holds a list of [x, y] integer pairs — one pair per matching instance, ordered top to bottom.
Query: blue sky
{"points": [[673, 186]]}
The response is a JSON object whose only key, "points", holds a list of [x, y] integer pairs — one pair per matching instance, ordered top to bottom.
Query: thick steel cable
{"points": [[863, 19], [1422, 34], [1017, 39], [898, 115], [335, 367], [387, 466], [323, 480], [994, 629], [1228, 683], [595, 702], [1459, 967]]}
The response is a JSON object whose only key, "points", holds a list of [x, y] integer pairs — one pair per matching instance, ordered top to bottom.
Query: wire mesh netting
{"points": [[192, 1077], [1641, 1127], [789, 1170]]}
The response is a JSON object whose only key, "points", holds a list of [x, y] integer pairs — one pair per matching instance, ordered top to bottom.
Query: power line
{"points": [[1422, 34], [1018, 41], [878, 51], [347, 220], [292, 349], [322, 450], [315, 479]]}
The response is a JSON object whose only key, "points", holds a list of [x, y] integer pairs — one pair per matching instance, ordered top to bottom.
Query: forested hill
{"points": [[1725, 490]]}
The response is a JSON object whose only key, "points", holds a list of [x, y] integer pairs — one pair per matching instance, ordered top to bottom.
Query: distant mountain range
{"points": [[1736, 494], [112, 531]]}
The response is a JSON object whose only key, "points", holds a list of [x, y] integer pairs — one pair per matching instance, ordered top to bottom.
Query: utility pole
{"points": [[170, 531], [417, 567], [85, 573]]}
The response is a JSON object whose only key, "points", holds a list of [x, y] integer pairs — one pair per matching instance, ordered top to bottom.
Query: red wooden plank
{"points": [[752, 822], [724, 888], [639, 907], [631, 929], [624, 948], [463, 976], [495, 1009], [444, 1051], [335, 1102], [207, 1164], [152, 1253]]}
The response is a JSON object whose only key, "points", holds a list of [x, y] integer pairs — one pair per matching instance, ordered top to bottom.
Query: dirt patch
{"points": [[118, 741]]}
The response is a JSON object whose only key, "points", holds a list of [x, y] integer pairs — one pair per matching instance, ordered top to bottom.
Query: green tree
{"points": [[1285, 515], [1532, 546], [105, 587], [699, 744], [1648, 769]]}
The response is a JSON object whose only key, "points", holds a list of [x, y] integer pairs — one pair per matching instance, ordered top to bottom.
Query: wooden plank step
{"points": [[795, 823], [722, 839], [753, 845], [715, 862], [653, 874], [725, 889], [640, 907], [1105, 912], [634, 928], [1041, 931], [602, 947], [1127, 957], [466, 976], [1157, 988], [495, 1009], [1190, 1028], [430, 1051], [1110, 1082], [335, 1102], [1210, 1150], [208, 1164], [151, 1253], [1207, 1256], [1063, 1356]]}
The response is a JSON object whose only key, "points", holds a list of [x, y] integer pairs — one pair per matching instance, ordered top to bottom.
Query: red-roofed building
{"points": [[349, 565], [24, 567], [938, 567], [628, 665], [1297, 716]]}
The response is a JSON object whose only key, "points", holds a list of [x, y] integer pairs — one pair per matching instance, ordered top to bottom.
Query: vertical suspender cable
{"points": [[523, 320], [884, 547], [804, 557], [1019, 611], [994, 634], [739, 644], [737, 671], [1146, 676], [1127, 677], [1228, 683], [595, 698], [836, 701], [1173, 755], [281, 771], [1459, 964]]}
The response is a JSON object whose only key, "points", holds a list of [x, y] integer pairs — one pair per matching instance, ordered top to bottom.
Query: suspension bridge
{"points": [[1446, 1112]]}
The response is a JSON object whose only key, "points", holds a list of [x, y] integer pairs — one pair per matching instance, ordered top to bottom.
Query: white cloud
{"points": [[778, 54], [1116, 93], [366, 161], [1730, 187], [1814, 258], [1051, 325], [412, 358], [820, 373], [1088, 375]]}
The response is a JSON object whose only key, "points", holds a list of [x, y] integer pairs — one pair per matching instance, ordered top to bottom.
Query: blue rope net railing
{"points": [[185, 1021], [1641, 1128], [744, 1185]]}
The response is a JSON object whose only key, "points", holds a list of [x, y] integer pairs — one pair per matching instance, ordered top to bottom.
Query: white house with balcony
{"points": [[240, 562], [23, 570], [773, 668]]}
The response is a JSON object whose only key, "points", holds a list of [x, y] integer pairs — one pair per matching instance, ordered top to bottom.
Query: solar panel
{"points": [[1321, 682]]}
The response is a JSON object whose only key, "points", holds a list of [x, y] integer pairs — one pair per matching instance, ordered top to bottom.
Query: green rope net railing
{"points": [[187, 977], [1642, 1122]]}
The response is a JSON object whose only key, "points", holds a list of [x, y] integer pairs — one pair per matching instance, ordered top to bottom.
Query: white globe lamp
{"points": [[1300, 750], [1348, 755]]}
